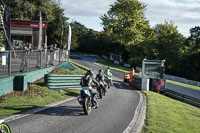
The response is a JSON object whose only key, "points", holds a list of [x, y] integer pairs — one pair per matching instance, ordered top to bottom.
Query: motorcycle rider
{"points": [[108, 74], [100, 78], [86, 81]]}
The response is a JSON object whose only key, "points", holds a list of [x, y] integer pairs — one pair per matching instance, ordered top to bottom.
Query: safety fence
{"points": [[14, 62], [59, 82], [182, 97]]}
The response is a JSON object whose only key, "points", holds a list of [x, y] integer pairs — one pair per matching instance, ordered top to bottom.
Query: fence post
{"points": [[59, 56], [46, 57], [40, 58], [27, 61], [9, 63]]}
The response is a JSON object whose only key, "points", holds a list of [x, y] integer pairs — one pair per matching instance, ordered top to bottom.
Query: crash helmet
{"points": [[100, 70], [90, 72]]}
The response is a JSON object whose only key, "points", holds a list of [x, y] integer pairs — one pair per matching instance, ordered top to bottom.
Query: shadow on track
{"points": [[122, 85], [63, 111]]}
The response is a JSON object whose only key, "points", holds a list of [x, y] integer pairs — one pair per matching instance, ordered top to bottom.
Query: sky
{"points": [[184, 13]]}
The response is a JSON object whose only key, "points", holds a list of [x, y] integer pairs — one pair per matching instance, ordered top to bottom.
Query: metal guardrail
{"points": [[14, 62], [59, 82], [182, 97]]}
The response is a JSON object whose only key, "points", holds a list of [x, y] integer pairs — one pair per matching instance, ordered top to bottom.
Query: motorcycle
{"points": [[108, 80], [101, 89], [85, 99], [4, 128]]}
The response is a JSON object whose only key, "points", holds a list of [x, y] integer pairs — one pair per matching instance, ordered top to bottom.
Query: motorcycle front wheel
{"points": [[87, 106], [4, 128]]}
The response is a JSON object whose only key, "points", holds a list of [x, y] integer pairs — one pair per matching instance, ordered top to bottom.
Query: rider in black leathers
{"points": [[100, 78], [86, 81]]}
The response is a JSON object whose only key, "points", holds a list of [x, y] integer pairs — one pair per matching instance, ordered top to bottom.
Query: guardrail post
{"points": [[27, 61]]}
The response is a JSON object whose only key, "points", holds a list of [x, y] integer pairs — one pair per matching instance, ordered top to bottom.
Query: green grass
{"points": [[75, 57], [114, 66], [61, 71], [183, 84], [36, 95], [166, 115]]}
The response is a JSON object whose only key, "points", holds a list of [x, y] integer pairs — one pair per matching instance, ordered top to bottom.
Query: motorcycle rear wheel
{"points": [[100, 93], [87, 106], [4, 128]]}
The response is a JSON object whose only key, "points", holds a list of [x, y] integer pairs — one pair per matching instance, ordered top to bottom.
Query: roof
{"points": [[28, 24]]}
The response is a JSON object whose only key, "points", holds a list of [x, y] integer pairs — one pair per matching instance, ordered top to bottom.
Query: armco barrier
{"points": [[59, 82], [136, 82], [182, 97]]}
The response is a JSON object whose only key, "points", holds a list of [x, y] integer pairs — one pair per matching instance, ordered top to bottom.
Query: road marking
{"points": [[30, 112], [136, 116]]}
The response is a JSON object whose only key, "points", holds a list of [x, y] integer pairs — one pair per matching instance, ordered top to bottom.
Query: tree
{"points": [[125, 22], [127, 30], [79, 31], [193, 42], [169, 45]]}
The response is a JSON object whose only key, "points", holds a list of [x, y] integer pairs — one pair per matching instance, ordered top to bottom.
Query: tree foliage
{"points": [[125, 22], [169, 44]]}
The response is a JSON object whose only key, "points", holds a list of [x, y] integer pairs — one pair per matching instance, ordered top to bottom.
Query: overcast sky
{"points": [[185, 13]]}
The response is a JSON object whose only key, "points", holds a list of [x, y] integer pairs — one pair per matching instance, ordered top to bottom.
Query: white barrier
{"points": [[105, 57], [116, 62], [127, 65], [145, 84]]}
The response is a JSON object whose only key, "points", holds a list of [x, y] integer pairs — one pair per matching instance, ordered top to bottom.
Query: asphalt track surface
{"points": [[184, 90], [115, 112]]}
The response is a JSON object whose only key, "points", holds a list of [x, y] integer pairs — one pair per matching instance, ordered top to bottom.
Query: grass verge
{"points": [[74, 57], [183, 84], [36, 95], [166, 115]]}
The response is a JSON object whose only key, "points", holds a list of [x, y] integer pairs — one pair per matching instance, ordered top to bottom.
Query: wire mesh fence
{"points": [[14, 62]]}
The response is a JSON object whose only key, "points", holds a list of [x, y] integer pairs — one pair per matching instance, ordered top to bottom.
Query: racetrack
{"points": [[116, 110]]}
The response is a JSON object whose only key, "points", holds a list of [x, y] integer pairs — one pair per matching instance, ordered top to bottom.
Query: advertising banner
{"points": [[40, 33], [69, 37]]}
